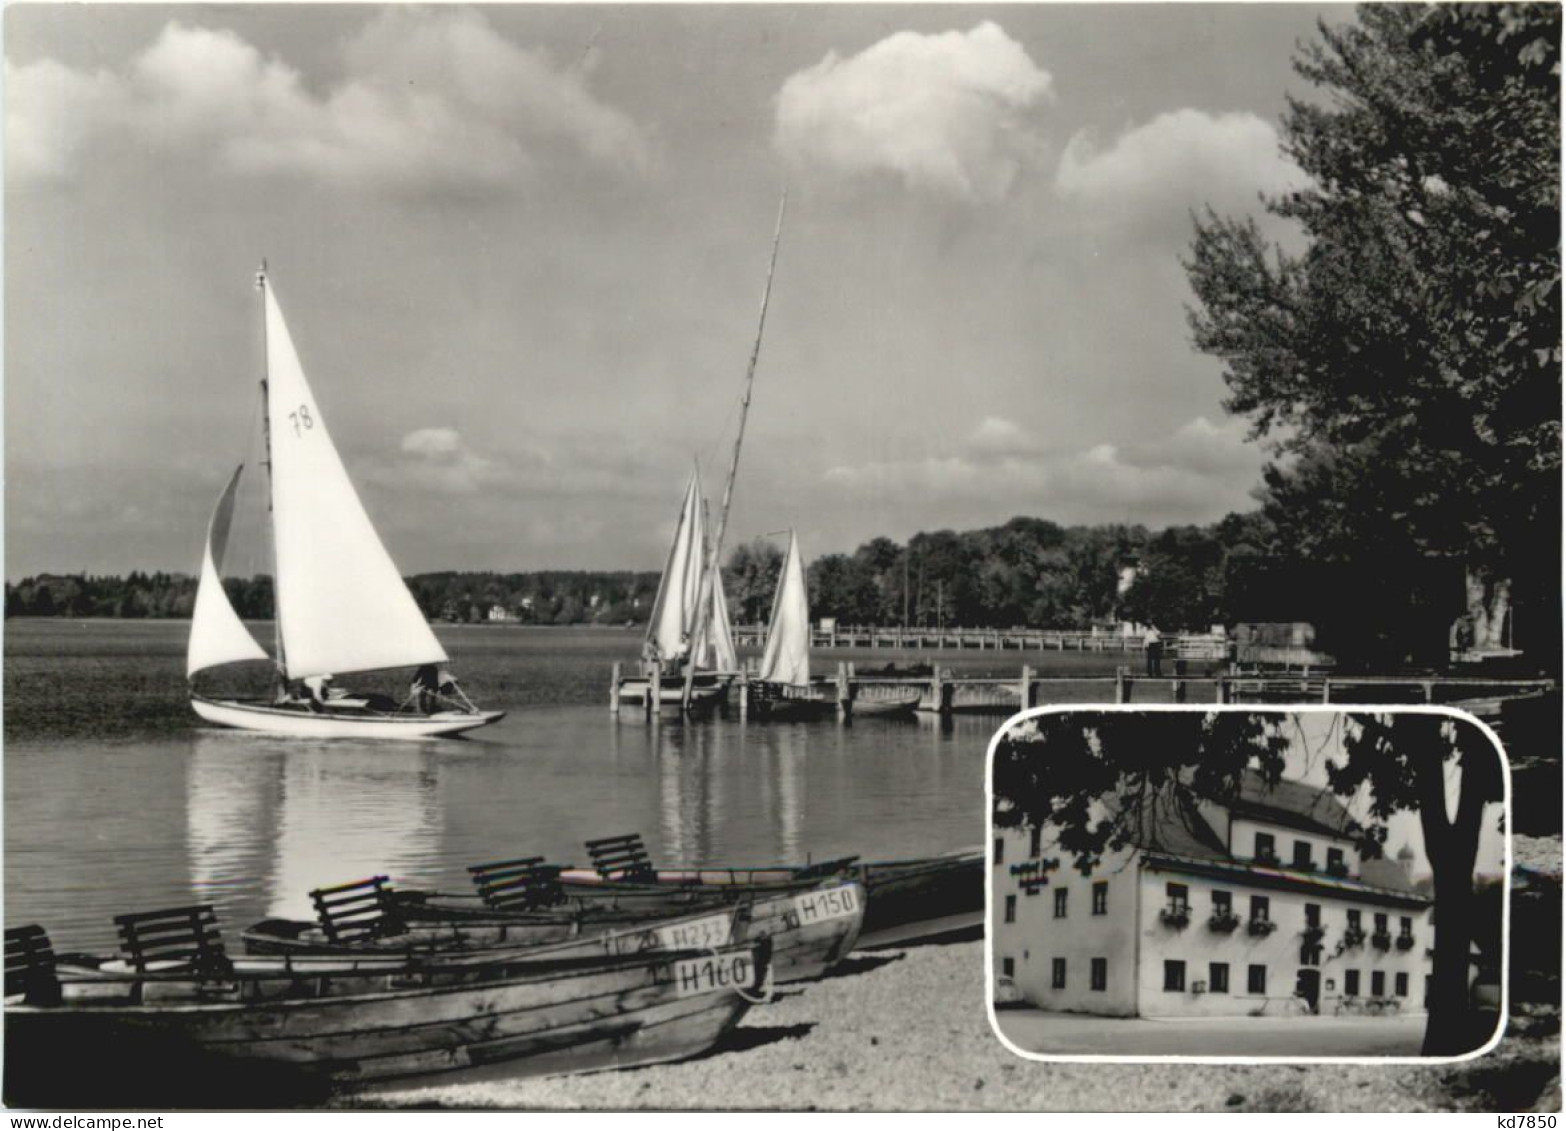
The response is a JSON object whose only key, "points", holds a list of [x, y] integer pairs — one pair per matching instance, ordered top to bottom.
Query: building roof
{"points": [[1293, 805], [1175, 830]]}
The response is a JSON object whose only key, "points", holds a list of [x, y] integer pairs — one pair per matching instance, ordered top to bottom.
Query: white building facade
{"points": [[1256, 908]]}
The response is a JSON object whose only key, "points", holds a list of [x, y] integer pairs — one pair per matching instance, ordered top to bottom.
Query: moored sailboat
{"points": [[341, 605], [677, 636]]}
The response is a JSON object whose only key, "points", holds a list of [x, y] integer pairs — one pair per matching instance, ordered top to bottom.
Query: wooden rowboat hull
{"points": [[887, 706], [268, 719], [905, 900], [810, 925], [547, 1017]]}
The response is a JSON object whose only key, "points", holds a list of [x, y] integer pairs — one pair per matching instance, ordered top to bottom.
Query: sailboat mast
{"points": [[266, 432], [704, 594]]}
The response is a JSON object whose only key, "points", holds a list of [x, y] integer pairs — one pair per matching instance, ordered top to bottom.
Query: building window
{"points": [[1033, 842], [1266, 848], [1302, 858], [1336, 865], [1101, 898], [1179, 898], [1060, 902], [1223, 903], [1261, 908], [1011, 909], [1313, 914], [1353, 920], [1381, 923], [1406, 926], [1008, 966], [1057, 974], [1100, 974], [1174, 975], [1218, 977], [1256, 980], [1351, 983], [1401, 983], [1378, 984]]}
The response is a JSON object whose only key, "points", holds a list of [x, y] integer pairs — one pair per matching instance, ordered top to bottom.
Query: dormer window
{"points": [[1266, 848], [1336, 864]]}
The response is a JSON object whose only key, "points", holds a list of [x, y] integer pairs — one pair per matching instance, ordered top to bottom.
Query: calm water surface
{"points": [[118, 799]]}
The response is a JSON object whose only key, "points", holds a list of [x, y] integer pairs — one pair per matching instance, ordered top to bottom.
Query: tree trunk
{"points": [[1489, 601], [1452, 846]]}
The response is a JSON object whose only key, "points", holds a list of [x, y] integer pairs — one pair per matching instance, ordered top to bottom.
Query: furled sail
{"points": [[341, 603], [674, 609], [217, 635], [787, 656]]}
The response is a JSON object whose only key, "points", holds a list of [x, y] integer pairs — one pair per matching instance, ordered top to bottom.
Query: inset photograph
{"points": [[1248, 883]]}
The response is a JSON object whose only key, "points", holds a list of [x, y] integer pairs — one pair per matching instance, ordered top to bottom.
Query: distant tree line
{"points": [[1027, 572]]}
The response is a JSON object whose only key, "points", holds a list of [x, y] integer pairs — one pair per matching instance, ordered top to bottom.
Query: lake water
{"points": [[118, 799]]}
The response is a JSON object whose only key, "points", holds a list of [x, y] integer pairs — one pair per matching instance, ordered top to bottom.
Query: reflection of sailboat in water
{"points": [[341, 604], [232, 798], [349, 814], [265, 827]]}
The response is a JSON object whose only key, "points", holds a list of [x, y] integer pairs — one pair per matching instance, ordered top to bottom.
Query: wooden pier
{"points": [[1203, 646], [942, 692]]}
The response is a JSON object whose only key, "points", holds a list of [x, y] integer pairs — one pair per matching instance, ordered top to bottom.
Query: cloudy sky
{"points": [[521, 252]]}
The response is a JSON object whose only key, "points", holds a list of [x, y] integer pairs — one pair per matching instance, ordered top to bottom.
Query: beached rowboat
{"points": [[905, 899], [808, 929], [348, 1020]]}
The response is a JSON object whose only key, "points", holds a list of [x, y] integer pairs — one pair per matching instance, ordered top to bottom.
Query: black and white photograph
{"points": [[527, 525], [1247, 884]]}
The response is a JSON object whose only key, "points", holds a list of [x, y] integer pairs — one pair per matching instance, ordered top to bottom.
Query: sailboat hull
{"points": [[707, 690], [303, 724]]}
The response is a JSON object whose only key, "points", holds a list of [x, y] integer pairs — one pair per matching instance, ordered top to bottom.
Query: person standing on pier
{"points": [[1153, 645]]}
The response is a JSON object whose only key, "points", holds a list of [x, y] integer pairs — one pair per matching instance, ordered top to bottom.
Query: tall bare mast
{"points": [[266, 432], [709, 575]]}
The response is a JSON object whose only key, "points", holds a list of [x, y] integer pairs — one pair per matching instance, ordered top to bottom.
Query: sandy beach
{"points": [[908, 1029]]}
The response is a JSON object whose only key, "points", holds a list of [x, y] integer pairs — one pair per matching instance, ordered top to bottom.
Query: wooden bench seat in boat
{"points": [[622, 858], [526, 884], [358, 912], [174, 938], [30, 967]]}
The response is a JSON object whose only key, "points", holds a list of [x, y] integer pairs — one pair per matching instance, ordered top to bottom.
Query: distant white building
{"points": [[500, 614], [1261, 905]]}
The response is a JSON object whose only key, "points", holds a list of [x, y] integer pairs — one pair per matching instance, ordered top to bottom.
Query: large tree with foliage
{"points": [[1406, 362], [1099, 780]]}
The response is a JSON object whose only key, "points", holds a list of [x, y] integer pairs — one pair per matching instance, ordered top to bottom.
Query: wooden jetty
{"points": [[944, 692]]}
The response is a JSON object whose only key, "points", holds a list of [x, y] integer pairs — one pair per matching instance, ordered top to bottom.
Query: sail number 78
{"points": [[301, 420]]}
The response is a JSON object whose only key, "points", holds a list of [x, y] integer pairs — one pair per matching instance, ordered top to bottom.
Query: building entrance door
{"points": [[1308, 986]]}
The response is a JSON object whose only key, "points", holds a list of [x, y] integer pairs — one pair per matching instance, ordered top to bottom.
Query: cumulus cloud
{"points": [[426, 99], [949, 113], [1176, 162], [442, 461], [1197, 473]]}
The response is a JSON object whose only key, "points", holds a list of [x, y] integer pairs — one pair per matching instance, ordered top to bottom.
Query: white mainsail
{"points": [[342, 605], [674, 609], [217, 635], [717, 647], [787, 655]]}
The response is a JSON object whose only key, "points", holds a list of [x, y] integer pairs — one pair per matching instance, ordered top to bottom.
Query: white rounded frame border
{"points": [[1250, 709]]}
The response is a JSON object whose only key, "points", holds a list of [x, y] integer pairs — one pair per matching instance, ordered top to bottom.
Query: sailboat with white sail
{"points": [[341, 605], [677, 636], [689, 653], [782, 688]]}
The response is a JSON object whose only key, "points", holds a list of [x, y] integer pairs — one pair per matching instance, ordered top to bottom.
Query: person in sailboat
{"points": [[318, 689], [425, 692]]}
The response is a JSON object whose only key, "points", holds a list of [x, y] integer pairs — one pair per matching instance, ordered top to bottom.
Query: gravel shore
{"points": [[908, 1029]]}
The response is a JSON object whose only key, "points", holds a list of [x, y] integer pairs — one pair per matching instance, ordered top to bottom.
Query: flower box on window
{"points": [[1176, 915], [1223, 921], [1261, 927], [1381, 940]]}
